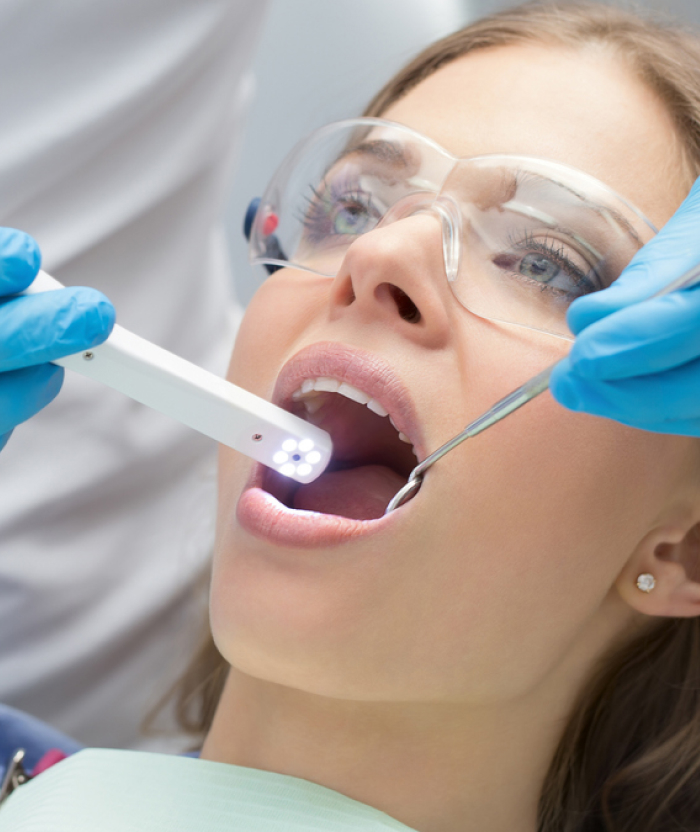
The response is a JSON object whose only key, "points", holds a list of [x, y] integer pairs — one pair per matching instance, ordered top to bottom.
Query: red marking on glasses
{"points": [[270, 224]]}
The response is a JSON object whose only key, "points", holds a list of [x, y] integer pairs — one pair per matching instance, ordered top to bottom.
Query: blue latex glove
{"points": [[38, 328], [636, 360]]}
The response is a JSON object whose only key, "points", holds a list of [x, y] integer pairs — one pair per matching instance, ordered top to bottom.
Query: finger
{"points": [[668, 255], [20, 260], [39, 328], [649, 337], [23, 393], [650, 401]]}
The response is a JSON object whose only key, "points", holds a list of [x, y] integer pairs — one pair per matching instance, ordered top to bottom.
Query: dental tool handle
{"points": [[686, 281], [533, 387], [200, 400]]}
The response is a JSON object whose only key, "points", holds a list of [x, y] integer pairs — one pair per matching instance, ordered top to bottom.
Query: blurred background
{"points": [[319, 61]]}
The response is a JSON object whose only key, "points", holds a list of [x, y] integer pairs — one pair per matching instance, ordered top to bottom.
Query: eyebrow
{"points": [[380, 149]]}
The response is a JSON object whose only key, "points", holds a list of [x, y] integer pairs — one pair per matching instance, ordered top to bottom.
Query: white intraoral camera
{"points": [[201, 400]]}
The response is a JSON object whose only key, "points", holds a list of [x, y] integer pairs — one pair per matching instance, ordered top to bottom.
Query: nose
{"points": [[395, 275]]}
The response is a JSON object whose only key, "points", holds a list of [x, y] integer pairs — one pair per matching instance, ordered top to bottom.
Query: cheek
{"points": [[279, 315], [259, 342], [562, 475], [544, 512], [537, 517]]}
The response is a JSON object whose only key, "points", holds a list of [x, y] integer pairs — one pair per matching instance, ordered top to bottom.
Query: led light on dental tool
{"points": [[201, 400]]}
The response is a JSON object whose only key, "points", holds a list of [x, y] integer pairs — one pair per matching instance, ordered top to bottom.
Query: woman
{"points": [[517, 648]]}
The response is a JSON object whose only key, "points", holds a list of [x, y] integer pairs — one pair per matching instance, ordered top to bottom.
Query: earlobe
{"points": [[662, 577]]}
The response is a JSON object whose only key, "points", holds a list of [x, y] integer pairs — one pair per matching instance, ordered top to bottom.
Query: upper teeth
{"points": [[332, 385]]}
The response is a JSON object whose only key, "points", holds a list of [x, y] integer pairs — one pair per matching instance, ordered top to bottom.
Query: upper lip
{"points": [[364, 370]]}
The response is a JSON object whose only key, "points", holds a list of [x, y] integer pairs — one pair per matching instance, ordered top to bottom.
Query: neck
{"points": [[434, 767]]}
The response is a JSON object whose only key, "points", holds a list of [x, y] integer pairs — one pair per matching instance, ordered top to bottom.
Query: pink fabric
{"points": [[52, 756]]}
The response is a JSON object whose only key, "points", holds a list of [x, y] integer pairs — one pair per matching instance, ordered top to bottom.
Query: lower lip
{"points": [[262, 515]]}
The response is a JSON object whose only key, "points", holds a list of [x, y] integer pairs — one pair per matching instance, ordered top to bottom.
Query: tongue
{"points": [[359, 493]]}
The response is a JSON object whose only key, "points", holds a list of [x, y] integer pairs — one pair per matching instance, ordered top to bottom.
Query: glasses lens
{"points": [[338, 185], [534, 237]]}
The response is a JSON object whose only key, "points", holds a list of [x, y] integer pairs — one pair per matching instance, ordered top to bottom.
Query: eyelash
{"points": [[342, 190], [551, 247]]}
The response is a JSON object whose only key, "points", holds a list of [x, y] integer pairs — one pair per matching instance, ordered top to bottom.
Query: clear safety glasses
{"points": [[521, 237]]}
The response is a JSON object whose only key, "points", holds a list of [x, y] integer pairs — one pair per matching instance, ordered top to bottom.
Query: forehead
{"points": [[584, 108]]}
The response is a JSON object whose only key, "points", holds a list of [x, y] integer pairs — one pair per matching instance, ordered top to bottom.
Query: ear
{"points": [[672, 556]]}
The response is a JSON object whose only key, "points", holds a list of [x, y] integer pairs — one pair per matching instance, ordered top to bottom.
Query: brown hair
{"points": [[629, 758]]}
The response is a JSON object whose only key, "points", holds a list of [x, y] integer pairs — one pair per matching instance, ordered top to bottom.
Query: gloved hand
{"points": [[38, 328], [636, 360]]}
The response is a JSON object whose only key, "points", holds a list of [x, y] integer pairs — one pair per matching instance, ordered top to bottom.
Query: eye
{"points": [[343, 205], [353, 214], [549, 265], [538, 267]]}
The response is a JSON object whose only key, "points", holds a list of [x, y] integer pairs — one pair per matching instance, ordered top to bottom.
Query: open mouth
{"points": [[372, 458]]}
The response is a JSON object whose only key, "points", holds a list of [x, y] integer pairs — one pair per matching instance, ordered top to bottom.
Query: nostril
{"points": [[405, 306]]}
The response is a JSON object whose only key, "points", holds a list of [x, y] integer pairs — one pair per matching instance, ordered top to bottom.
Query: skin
{"points": [[429, 671]]}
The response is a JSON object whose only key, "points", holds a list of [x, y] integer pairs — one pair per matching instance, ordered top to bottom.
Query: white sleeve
{"points": [[119, 125]]}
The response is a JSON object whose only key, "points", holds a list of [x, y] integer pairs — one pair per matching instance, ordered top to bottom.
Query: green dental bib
{"points": [[103, 790]]}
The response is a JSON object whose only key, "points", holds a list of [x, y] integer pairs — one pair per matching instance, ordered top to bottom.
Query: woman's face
{"points": [[500, 573]]}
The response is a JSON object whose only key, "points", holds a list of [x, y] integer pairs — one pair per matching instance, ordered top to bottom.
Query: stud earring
{"points": [[646, 582]]}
